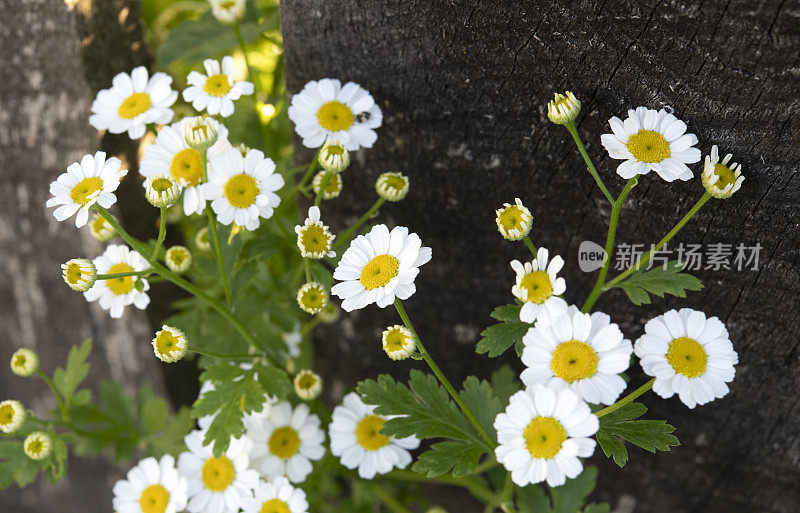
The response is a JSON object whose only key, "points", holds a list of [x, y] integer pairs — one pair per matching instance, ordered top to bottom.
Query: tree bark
{"points": [[56, 55], [463, 86]]}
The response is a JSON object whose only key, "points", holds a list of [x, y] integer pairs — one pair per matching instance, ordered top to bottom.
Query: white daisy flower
{"points": [[228, 11], [216, 91], [134, 101], [563, 108], [325, 110], [650, 140], [170, 153], [721, 179], [92, 181], [392, 186], [242, 189], [332, 189], [514, 221], [100, 228], [314, 238], [379, 267], [79, 274], [538, 286], [117, 293], [312, 297], [398, 342], [169, 344], [579, 351], [689, 355], [24, 362], [307, 385], [12, 415], [543, 433], [285, 441], [357, 441], [37, 445], [216, 485], [152, 486], [277, 496]]}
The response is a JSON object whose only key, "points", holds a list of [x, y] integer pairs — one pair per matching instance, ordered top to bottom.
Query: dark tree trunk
{"points": [[55, 56], [463, 86]]}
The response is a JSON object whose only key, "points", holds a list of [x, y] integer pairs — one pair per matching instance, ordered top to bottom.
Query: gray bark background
{"points": [[55, 55], [463, 87]]}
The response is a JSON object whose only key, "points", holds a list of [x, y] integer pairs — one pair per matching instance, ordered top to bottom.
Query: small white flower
{"points": [[228, 11], [216, 91], [134, 101], [563, 109], [325, 110], [650, 140], [334, 157], [721, 179], [92, 181], [392, 186], [242, 189], [332, 189], [161, 190], [514, 221], [100, 228], [314, 238], [178, 259], [379, 267], [79, 274], [538, 285], [117, 293], [312, 297], [398, 342], [169, 344], [579, 351], [689, 355], [24, 362], [307, 385], [12, 415], [543, 433], [285, 441], [357, 441], [38, 445], [216, 485], [152, 486], [277, 496]]}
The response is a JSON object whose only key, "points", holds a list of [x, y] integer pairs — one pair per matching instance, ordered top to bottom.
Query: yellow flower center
{"points": [[228, 4], [217, 85], [134, 105], [335, 116], [648, 146], [334, 149], [187, 165], [726, 176], [395, 182], [334, 183], [161, 185], [85, 190], [241, 190], [512, 217], [99, 224], [314, 239], [177, 256], [379, 271], [74, 273], [122, 285], [538, 285], [313, 298], [395, 340], [166, 342], [687, 357], [20, 360], [574, 360], [306, 381], [6, 414], [368, 433], [544, 437], [284, 442], [35, 447], [218, 473], [154, 499], [274, 506]]}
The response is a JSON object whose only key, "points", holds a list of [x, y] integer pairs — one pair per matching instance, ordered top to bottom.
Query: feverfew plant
{"points": [[258, 438]]}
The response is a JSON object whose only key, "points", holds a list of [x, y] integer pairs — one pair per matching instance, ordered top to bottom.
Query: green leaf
{"points": [[203, 38], [261, 247], [659, 281], [507, 313], [496, 339], [68, 379], [505, 384], [481, 400], [153, 411], [651, 435], [170, 439], [460, 458], [26, 472], [569, 497], [532, 499], [597, 507]]}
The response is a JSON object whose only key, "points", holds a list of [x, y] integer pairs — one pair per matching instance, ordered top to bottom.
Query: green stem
{"points": [[252, 76], [589, 165], [322, 187], [212, 229], [162, 232], [612, 232], [345, 237], [529, 243], [647, 256], [307, 268], [144, 273], [310, 325], [214, 354], [440, 375], [627, 399], [61, 406], [474, 487], [387, 498], [506, 502]]}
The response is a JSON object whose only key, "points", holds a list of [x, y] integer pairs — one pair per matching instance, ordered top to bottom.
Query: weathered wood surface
{"points": [[55, 56], [463, 87]]}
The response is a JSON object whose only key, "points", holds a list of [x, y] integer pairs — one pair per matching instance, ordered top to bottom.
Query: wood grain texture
{"points": [[55, 56], [463, 87]]}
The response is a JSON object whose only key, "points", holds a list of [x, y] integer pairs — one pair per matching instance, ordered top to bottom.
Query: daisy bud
{"points": [[227, 11], [563, 109], [200, 132], [243, 149], [334, 157], [721, 179], [392, 186], [332, 189], [161, 190], [514, 221], [100, 228], [314, 238], [201, 239], [178, 259], [79, 273], [312, 297], [329, 314], [398, 342], [169, 344], [24, 362], [307, 385], [12, 415], [38, 445]]}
